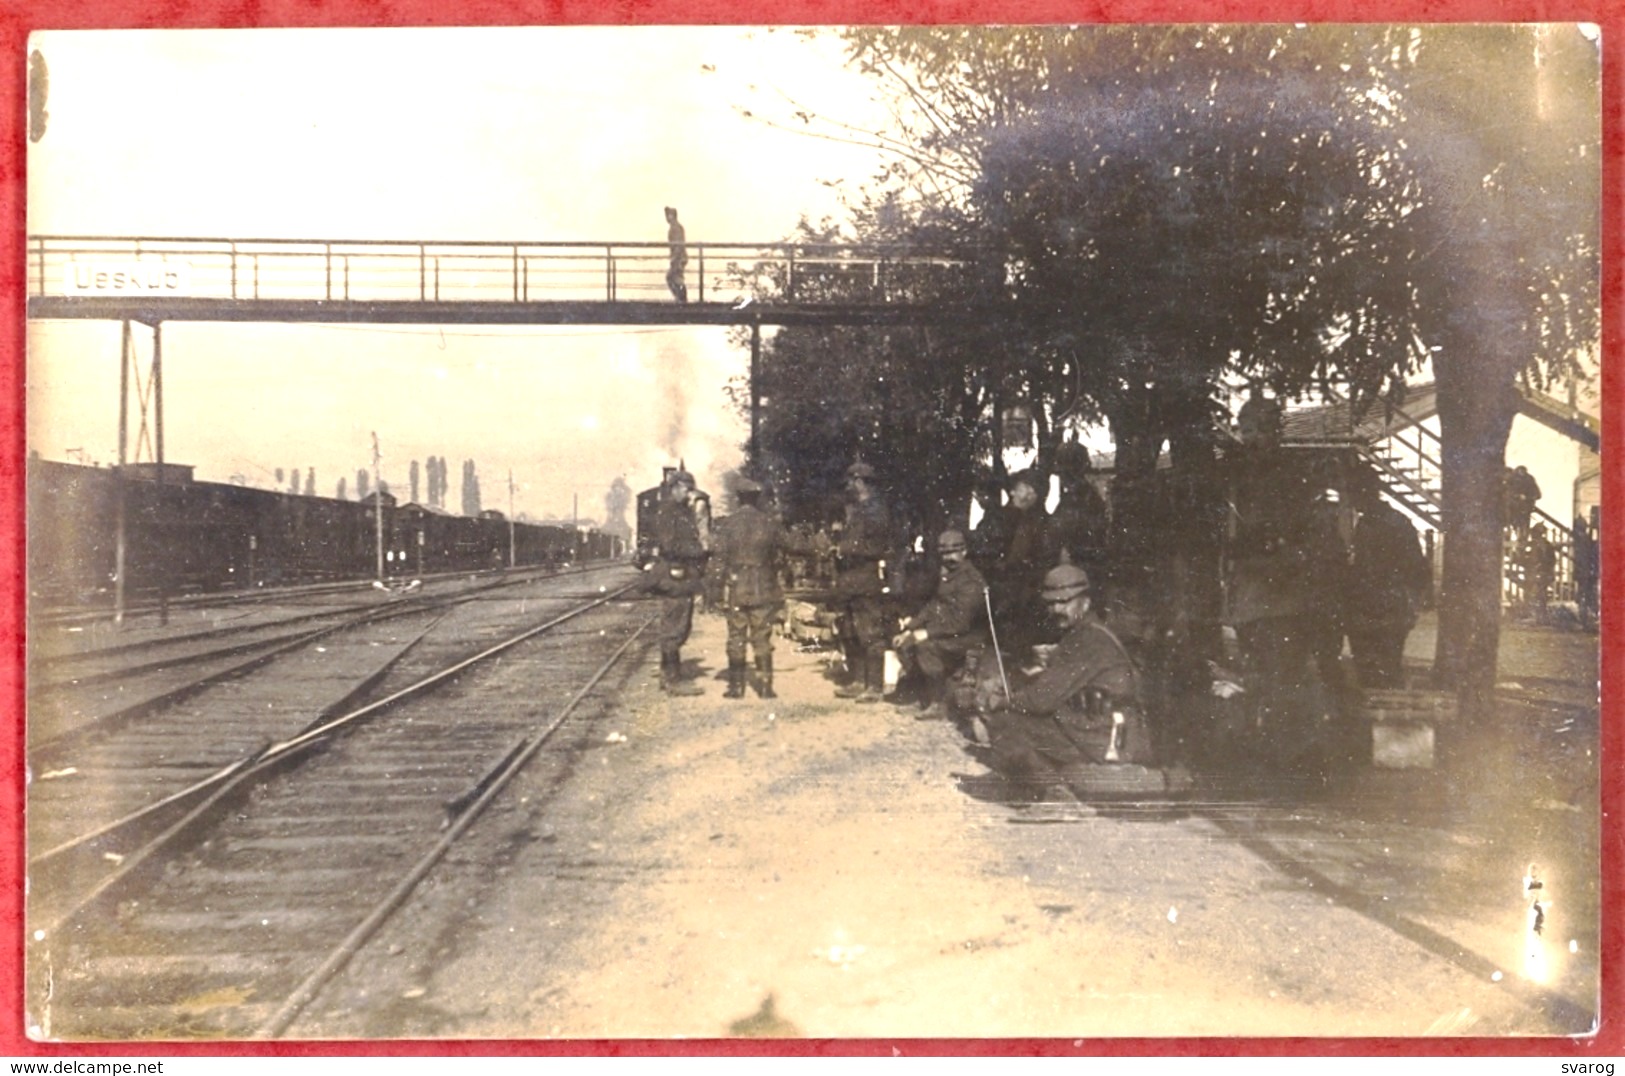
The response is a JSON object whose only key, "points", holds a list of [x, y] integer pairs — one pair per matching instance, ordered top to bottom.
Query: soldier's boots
{"points": [[671, 677], [764, 677], [736, 679], [874, 679], [857, 684]]}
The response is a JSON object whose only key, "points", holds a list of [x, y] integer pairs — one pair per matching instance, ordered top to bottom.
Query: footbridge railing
{"points": [[403, 271]]}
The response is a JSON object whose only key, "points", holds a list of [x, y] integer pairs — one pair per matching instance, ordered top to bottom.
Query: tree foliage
{"points": [[1150, 209]]}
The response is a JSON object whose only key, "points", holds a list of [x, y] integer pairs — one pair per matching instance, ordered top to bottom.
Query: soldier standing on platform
{"points": [[1080, 520], [987, 539], [751, 545], [1030, 550], [1540, 568], [678, 575], [1389, 580], [860, 587]]}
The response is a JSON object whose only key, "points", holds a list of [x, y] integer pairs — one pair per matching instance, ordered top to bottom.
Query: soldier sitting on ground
{"points": [[933, 641], [1082, 708]]}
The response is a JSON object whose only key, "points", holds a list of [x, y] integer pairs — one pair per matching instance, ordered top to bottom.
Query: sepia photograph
{"points": [[1032, 532]]}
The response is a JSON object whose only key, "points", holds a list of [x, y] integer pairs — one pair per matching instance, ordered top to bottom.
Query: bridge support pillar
{"points": [[125, 359], [755, 394], [150, 395]]}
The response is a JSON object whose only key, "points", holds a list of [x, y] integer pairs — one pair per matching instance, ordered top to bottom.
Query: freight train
{"points": [[185, 537]]}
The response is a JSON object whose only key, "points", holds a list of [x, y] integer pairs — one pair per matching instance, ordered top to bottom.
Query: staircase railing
{"points": [[1407, 457]]}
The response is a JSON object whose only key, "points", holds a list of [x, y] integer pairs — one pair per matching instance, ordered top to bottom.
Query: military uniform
{"points": [[676, 237], [1081, 521], [1081, 524], [751, 546], [1030, 550], [678, 575], [1271, 578], [1387, 579], [860, 589], [936, 638], [1083, 707]]}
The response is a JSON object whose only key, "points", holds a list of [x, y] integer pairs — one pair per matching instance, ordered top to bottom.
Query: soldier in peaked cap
{"points": [[751, 544], [677, 575], [860, 588], [933, 641], [1083, 706]]}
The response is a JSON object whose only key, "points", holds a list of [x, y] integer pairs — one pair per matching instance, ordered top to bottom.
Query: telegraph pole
{"points": [[156, 383], [754, 453], [121, 481], [378, 504], [511, 554]]}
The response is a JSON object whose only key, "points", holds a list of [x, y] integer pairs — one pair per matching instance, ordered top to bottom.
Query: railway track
{"points": [[78, 618], [59, 643], [80, 690], [239, 884]]}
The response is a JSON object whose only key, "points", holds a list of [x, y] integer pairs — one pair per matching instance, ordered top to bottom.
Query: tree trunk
{"points": [[1473, 428]]}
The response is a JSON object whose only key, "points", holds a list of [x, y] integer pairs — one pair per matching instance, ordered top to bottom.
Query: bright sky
{"points": [[528, 134], [535, 134]]}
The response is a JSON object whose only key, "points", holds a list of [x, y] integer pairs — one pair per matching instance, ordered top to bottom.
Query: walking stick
{"points": [[987, 600]]}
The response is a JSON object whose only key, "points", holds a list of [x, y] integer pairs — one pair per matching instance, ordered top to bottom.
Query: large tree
{"points": [[1504, 122], [1160, 206]]}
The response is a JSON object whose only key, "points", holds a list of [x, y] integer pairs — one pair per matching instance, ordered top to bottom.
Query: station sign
{"points": [[128, 278]]}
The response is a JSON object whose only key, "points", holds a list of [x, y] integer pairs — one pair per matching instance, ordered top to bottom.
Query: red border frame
{"points": [[16, 24]]}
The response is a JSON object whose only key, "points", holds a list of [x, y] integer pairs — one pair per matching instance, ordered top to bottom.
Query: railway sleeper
{"points": [[366, 807], [336, 825], [315, 846], [295, 880]]}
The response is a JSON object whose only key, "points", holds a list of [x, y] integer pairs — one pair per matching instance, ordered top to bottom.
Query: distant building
{"points": [[172, 473]]}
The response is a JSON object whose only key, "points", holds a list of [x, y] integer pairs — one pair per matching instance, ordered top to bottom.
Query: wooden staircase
{"points": [[1404, 455]]}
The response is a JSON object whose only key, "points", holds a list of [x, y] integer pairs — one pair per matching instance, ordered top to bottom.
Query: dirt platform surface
{"points": [[808, 867]]}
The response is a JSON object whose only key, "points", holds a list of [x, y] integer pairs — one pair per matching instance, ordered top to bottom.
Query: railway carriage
{"points": [[196, 537]]}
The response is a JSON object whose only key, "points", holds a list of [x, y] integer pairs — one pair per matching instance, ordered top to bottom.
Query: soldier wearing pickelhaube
{"points": [[751, 545], [678, 573], [860, 588]]}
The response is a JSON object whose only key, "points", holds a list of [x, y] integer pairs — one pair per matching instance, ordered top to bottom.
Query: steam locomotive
{"points": [[648, 503]]}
